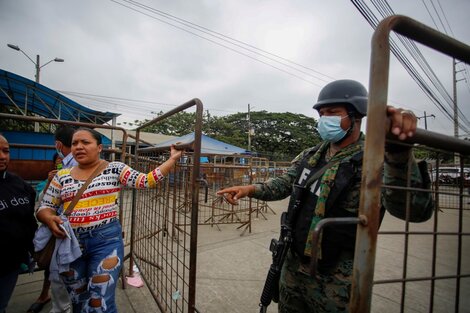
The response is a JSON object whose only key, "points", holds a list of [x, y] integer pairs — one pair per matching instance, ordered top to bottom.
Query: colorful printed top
{"points": [[99, 203]]}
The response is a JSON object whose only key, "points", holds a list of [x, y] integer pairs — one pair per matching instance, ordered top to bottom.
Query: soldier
{"points": [[341, 105]]}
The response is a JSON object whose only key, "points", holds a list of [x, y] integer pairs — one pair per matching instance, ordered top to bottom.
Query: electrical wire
{"points": [[385, 10], [229, 39], [233, 44], [231, 48]]}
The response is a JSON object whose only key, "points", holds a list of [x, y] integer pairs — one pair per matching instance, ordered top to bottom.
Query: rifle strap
{"points": [[103, 164], [321, 171]]}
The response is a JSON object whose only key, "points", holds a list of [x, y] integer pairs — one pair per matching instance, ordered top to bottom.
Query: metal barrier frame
{"points": [[79, 124], [194, 191], [366, 240]]}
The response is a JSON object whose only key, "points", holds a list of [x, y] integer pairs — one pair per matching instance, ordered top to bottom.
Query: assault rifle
{"points": [[279, 250]]}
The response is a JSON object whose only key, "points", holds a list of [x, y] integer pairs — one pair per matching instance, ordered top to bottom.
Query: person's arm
{"points": [[399, 159], [166, 167], [396, 167], [136, 179], [273, 189], [50, 204]]}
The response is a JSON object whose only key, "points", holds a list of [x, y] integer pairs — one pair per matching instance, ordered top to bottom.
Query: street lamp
{"points": [[37, 63]]}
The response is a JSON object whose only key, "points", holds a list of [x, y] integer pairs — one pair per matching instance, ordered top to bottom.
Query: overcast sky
{"points": [[112, 51]]}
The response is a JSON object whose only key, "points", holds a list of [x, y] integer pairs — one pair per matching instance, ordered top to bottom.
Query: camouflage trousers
{"points": [[301, 293]]}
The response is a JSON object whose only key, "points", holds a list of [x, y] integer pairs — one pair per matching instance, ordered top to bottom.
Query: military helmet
{"points": [[344, 91]]}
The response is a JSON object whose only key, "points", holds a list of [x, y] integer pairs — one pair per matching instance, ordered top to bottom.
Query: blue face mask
{"points": [[330, 129], [60, 154]]}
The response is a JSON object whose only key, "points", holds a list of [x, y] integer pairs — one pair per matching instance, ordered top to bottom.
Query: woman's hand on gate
{"points": [[175, 154]]}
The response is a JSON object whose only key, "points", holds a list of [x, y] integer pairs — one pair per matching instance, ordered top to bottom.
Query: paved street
{"points": [[232, 269]]}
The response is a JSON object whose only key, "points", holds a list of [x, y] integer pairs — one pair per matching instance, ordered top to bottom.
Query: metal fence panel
{"points": [[165, 219], [430, 279]]}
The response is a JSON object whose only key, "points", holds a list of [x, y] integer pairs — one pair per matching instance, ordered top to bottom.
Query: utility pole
{"points": [[37, 64], [37, 68], [454, 85], [426, 119], [456, 120]]}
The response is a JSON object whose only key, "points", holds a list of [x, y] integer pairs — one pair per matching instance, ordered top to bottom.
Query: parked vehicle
{"points": [[451, 175]]}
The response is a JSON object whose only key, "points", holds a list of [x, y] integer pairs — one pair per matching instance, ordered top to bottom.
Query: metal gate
{"points": [[164, 221], [428, 267]]}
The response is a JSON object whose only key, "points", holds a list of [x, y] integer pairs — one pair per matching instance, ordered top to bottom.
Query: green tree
{"points": [[12, 124], [179, 124], [277, 136]]}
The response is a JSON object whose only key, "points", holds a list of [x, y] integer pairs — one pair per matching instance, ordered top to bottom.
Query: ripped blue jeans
{"points": [[92, 279]]}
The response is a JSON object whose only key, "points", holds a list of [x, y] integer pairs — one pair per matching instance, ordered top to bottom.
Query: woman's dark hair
{"points": [[93, 132]]}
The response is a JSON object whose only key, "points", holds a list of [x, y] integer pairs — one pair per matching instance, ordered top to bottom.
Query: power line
{"points": [[385, 10], [438, 16], [432, 18], [445, 18], [229, 39], [226, 40], [463, 66], [126, 104]]}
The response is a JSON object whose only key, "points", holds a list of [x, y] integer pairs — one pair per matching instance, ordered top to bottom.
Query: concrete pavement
{"points": [[232, 269]]}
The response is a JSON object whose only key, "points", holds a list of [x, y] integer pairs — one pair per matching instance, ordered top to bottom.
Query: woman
{"points": [[17, 225], [92, 278]]}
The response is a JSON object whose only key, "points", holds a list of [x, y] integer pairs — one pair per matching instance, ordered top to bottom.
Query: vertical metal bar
{"points": [[134, 205], [195, 205], [435, 228], [407, 238], [366, 240], [459, 251]]}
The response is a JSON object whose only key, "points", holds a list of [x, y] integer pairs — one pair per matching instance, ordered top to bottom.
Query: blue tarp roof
{"points": [[25, 94], [33, 138], [208, 145]]}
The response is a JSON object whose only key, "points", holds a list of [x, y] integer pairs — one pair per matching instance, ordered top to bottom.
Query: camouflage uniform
{"points": [[329, 291]]}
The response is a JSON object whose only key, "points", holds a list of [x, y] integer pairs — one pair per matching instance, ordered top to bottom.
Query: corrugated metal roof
{"points": [[29, 96], [151, 138], [208, 145]]}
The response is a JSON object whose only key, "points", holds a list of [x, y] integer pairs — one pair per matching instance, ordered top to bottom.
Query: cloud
{"points": [[115, 51]]}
